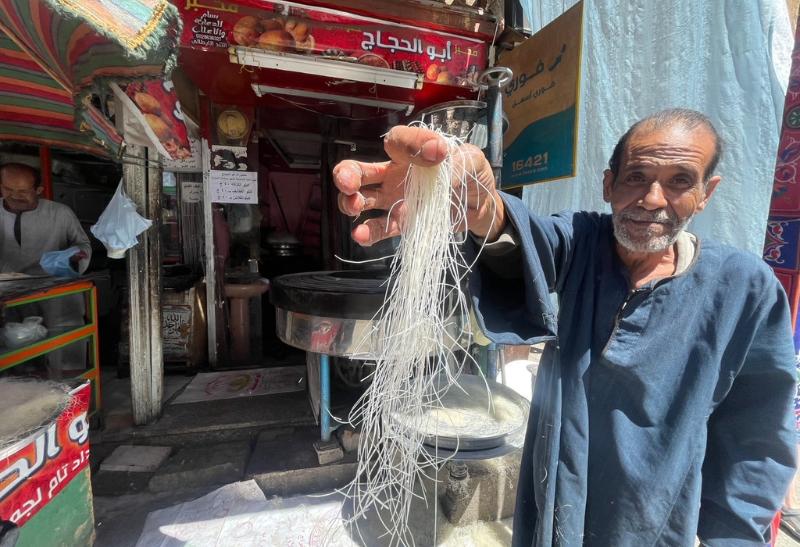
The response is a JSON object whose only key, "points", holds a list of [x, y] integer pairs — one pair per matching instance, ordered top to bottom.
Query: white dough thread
{"points": [[420, 341]]}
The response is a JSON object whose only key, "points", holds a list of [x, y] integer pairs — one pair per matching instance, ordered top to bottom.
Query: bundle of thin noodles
{"points": [[419, 341]]}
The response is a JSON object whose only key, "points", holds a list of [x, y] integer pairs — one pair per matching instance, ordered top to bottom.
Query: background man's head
{"points": [[660, 175], [20, 187]]}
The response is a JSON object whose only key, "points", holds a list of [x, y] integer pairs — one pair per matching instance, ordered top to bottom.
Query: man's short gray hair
{"points": [[673, 117]]}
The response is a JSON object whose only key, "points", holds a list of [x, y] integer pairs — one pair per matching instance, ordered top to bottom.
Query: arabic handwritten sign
{"points": [[443, 58], [541, 103], [233, 186], [191, 192], [176, 324], [34, 470]]}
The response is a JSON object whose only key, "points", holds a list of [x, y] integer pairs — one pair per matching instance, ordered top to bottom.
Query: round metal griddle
{"points": [[350, 294], [329, 312], [333, 313]]}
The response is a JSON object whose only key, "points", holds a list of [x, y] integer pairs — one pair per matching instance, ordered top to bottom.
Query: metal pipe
{"points": [[493, 80], [494, 119], [46, 170], [213, 309], [491, 362], [325, 397]]}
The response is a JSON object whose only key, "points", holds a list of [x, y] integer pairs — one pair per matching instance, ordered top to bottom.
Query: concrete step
{"points": [[225, 420], [287, 465], [197, 466]]}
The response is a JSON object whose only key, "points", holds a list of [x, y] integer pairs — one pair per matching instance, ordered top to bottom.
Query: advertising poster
{"points": [[291, 28], [541, 103], [158, 108], [186, 164]]}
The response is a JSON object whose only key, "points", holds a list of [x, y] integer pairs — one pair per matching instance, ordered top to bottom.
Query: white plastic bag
{"points": [[119, 225], [57, 263], [17, 335]]}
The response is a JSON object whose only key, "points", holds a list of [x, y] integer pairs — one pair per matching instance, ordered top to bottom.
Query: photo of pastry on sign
{"points": [[277, 34], [442, 58], [162, 112]]}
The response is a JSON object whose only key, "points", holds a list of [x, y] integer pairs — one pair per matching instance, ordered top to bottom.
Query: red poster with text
{"points": [[289, 28], [34, 470]]}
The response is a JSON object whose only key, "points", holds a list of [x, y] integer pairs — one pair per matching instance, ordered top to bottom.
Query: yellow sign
{"points": [[541, 103]]}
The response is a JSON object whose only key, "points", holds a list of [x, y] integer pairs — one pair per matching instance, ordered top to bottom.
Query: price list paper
{"points": [[233, 186]]}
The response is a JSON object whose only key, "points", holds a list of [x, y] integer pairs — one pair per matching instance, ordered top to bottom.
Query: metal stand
{"points": [[493, 80], [491, 361], [325, 398], [328, 450]]}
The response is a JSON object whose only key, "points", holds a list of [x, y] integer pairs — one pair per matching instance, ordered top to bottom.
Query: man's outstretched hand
{"points": [[364, 186], [76, 258]]}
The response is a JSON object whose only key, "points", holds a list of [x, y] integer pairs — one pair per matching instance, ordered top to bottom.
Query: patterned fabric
{"points": [[131, 23], [79, 41], [55, 53], [36, 109], [782, 244], [797, 397]]}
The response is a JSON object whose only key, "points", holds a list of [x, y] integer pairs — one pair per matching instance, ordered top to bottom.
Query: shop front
{"points": [[280, 92]]}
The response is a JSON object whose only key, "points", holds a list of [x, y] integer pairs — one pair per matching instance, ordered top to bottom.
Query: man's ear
{"points": [[608, 184], [711, 186], [39, 190]]}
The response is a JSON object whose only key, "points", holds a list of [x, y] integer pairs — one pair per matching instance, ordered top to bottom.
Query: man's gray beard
{"points": [[653, 244]]}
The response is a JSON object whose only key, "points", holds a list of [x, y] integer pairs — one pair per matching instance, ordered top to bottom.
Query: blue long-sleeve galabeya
{"points": [[660, 413]]}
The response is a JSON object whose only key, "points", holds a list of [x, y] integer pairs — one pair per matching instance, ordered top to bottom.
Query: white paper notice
{"points": [[234, 186], [191, 192]]}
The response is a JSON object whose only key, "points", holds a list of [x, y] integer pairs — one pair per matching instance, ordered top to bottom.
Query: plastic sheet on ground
{"points": [[239, 514]]}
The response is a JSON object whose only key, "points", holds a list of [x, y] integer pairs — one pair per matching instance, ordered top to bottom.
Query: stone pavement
{"points": [[193, 449], [281, 460], [283, 465]]}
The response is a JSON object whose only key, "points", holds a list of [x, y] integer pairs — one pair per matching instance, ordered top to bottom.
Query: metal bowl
{"points": [[474, 415]]}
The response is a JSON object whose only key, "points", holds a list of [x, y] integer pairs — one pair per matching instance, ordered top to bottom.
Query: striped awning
{"points": [[56, 54], [35, 109]]}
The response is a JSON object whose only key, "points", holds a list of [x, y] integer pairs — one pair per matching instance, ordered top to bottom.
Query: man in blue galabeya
{"points": [[662, 410]]}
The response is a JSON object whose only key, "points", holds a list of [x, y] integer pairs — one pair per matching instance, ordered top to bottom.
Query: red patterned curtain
{"points": [[782, 246]]}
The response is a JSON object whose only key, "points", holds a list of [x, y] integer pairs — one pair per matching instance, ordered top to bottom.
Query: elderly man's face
{"points": [[660, 186], [19, 190]]}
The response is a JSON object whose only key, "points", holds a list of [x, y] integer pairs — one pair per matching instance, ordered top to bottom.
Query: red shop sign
{"points": [[287, 27], [34, 470]]}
